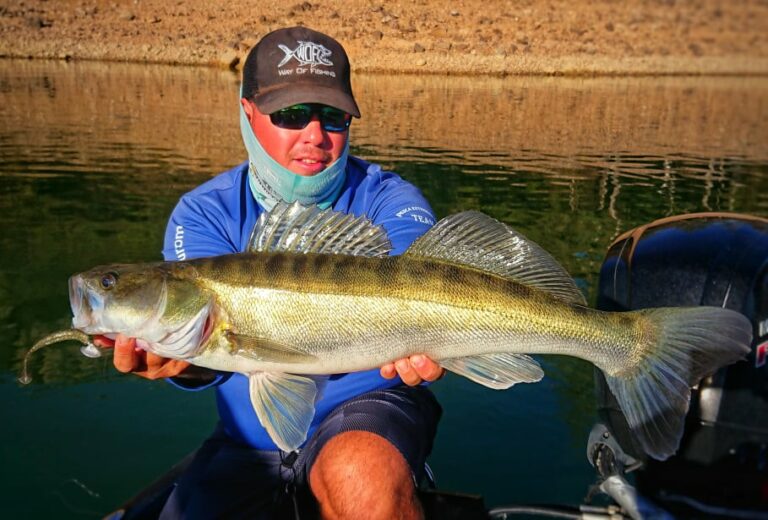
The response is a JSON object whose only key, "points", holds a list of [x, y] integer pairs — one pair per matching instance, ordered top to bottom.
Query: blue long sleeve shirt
{"points": [[217, 218]]}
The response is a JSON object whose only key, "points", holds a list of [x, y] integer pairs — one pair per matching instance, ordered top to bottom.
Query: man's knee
{"points": [[359, 474]]}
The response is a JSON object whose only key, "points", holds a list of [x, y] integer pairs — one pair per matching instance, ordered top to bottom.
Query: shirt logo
{"points": [[307, 53], [423, 219], [178, 243]]}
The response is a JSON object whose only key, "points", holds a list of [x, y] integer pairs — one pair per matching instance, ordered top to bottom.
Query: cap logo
{"points": [[307, 53]]}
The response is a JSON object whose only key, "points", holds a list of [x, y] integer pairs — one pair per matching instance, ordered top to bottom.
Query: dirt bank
{"points": [[568, 37]]}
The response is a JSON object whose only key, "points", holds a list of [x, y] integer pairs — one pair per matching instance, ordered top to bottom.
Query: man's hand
{"points": [[129, 358], [413, 370]]}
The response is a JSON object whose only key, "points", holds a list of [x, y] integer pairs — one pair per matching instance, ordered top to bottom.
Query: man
{"points": [[371, 434]]}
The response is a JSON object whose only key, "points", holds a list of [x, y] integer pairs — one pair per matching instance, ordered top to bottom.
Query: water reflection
{"points": [[94, 156]]}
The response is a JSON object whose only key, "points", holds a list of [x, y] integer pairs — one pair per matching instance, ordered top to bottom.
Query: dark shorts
{"points": [[228, 479]]}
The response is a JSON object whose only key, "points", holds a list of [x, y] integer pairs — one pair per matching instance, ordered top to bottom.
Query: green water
{"points": [[94, 156]]}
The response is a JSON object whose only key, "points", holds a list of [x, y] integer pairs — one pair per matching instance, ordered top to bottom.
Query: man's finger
{"points": [[126, 359], [154, 362], [167, 368], [174, 368], [427, 369], [388, 371], [406, 372]]}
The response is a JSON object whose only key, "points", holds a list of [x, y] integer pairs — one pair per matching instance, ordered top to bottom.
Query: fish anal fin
{"points": [[264, 349], [497, 371], [285, 405]]}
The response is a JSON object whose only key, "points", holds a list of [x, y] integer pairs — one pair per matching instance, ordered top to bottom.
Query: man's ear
{"points": [[248, 108]]}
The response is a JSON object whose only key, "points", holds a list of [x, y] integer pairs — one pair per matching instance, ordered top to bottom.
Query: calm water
{"points": [[94, 156]]}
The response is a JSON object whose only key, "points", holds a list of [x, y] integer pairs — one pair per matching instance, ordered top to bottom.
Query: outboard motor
{"points": [[716, 259]]}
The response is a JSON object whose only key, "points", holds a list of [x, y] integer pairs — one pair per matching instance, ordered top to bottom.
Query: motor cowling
{"points": [[710, 259]]}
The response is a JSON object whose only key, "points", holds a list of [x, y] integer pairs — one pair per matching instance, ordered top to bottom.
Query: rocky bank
{"points": [[549, 37]]}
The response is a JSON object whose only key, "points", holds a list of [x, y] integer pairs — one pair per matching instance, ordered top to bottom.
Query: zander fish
{"points": [[318, 294]]}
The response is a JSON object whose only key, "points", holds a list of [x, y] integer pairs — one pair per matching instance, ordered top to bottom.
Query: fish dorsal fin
{"points": [[309, 229], [474, 239], [285, 405]]}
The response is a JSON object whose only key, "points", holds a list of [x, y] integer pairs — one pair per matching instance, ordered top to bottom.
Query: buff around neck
{"points": [[270, 182]]}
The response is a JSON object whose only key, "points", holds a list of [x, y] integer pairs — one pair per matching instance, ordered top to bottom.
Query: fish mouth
{"points": [[81, 304], [87, 306]]}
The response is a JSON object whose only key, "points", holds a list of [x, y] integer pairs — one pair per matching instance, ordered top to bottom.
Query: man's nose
{"points": [[313, 132]]}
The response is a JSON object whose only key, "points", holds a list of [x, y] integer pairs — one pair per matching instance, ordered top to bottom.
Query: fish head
{"points": [[169, 314]]}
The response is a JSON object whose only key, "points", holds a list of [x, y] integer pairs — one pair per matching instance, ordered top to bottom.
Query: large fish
{"points": [[318, 294]]}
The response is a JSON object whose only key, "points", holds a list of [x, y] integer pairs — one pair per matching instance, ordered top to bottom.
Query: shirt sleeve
{"points": [[402, 210], [196, 230]]}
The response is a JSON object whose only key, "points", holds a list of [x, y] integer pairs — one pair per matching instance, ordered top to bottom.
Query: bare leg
{"points": [[359, 474]]}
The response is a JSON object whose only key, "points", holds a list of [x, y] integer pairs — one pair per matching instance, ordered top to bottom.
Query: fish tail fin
{"points": [[687, 344]]}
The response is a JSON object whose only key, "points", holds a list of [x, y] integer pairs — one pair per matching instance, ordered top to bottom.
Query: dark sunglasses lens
{"points": [[299, 116], [292, 118], [334, 120]]}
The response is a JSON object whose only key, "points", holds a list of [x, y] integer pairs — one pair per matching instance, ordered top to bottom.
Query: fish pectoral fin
{"points": [[263, 349], [497, 371], [285, 405]]}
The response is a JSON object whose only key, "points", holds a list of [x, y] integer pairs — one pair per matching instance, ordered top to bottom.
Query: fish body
{"points": [[472, 294], [347, 313]]}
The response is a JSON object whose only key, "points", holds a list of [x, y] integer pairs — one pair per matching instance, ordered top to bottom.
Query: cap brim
{"points": [[278, 98]]}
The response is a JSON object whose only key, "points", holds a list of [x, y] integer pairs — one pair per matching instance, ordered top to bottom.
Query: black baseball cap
{"points": [[298, 65]]}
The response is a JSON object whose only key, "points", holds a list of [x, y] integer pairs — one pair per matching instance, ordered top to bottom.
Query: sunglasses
{"points": [[297, 117]]}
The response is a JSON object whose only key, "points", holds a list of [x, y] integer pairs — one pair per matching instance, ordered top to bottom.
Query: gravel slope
{"points": [[555, 37]]}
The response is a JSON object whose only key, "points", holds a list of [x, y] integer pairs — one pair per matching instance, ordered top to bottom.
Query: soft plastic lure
{"points": [[89, 349]]}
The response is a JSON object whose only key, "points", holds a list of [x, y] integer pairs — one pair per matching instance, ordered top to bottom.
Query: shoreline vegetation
{"points": [[465, 37]]}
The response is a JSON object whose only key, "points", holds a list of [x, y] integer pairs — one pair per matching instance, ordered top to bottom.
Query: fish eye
{"points": [[108, 281]]}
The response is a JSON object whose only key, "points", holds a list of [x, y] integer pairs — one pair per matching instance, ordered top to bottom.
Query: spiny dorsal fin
{"points": [[308, 229], [477, 240]]}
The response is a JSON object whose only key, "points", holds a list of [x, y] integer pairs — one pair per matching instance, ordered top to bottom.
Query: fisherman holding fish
{"points": [[289, 308], [371, 433]]}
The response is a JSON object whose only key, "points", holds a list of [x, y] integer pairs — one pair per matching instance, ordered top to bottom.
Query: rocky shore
{"points": [[549, 37]]}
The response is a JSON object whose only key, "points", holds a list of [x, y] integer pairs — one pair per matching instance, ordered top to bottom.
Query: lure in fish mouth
{"points": [[318, 294]]}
